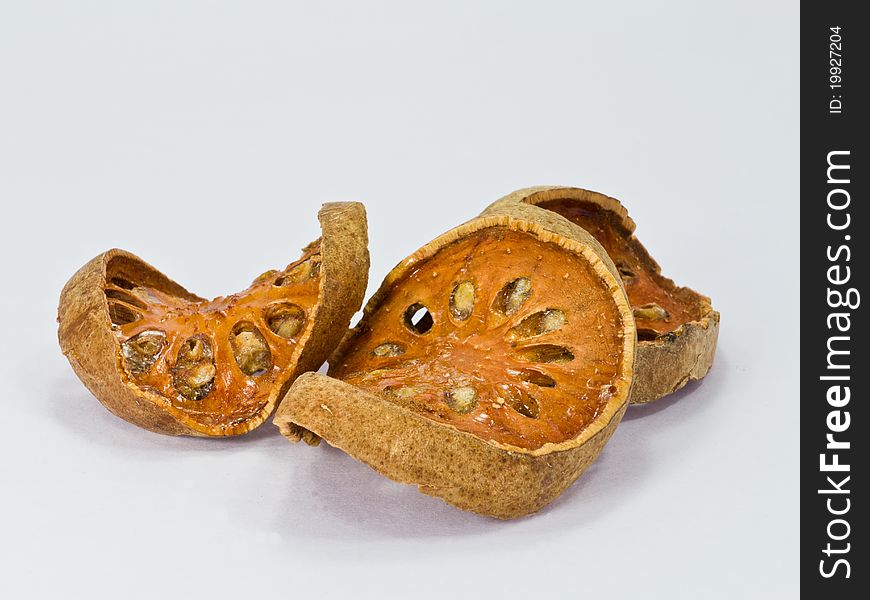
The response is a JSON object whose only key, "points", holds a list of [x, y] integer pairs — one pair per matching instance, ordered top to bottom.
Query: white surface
{"points": [[146, 125]]}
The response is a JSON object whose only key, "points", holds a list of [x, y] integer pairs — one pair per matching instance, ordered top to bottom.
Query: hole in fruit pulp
{"points": [[301, 272], [628, 275], [122, 283], [512, 296], [126, 298], [462, 300], [651, 312], [121, 314], [418, 318], [285, 320], [537, 324], [647, 335], [250, 349], [388, 349], [141, 351], [545, 353], [194, 370], [533, 376], [608, 392], [519, 400]]}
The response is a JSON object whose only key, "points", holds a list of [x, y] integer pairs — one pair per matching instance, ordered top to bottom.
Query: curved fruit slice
{"points": [[677, 327], [169, 361], [489, 369]]}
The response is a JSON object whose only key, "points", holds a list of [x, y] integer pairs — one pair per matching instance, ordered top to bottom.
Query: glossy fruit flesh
{"points": [[498, 334], [213, 362]]}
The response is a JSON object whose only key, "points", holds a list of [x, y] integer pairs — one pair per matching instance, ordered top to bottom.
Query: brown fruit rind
{"points": [[87, 339], [664, 364], [457, 467], [467, 471]]}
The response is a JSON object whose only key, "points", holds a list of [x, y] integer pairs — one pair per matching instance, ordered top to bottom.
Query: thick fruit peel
{"points": [[172, 362], [489, 369]]}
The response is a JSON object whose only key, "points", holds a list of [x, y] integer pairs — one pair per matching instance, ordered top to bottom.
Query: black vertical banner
{"points": [[834, 264]]}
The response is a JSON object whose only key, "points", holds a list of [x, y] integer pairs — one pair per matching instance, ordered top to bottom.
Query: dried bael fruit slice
{"points": [[677, 327], [172, 362], [489, 369]]}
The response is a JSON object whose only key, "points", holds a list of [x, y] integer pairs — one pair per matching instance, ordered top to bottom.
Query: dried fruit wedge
{"points": [[677, 327], [169, 361], [489, 369]]}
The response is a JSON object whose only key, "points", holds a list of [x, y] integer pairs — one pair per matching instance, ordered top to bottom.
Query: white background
{"points": [[204, 137]]}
